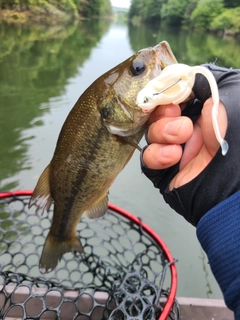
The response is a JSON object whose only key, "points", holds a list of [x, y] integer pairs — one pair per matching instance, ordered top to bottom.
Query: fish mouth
{"points": [[164, 54], [164, 57]]}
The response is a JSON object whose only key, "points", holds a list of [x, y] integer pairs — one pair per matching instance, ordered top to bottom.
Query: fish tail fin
{"points": [[41, 196], [54, 250]]}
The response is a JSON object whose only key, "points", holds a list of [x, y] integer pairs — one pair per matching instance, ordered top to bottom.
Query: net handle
{"points": [[173, 289]]}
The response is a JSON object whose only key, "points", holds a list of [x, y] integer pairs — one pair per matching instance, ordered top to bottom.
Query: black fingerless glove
{"points": [[221, 178]]}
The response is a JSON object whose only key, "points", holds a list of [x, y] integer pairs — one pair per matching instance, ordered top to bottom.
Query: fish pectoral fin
{"points": [[130, 140], [41, 196], [98, 209], [54, 250]]}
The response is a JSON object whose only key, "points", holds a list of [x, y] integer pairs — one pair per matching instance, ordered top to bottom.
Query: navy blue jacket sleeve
{"points": [[218, 232]]}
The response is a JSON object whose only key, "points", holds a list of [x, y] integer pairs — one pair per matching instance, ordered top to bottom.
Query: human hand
{"points": [[169, 130], [183, 158], [184, 161]]}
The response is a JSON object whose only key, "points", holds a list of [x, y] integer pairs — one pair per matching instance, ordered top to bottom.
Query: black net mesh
{"points": [[123, 273]]}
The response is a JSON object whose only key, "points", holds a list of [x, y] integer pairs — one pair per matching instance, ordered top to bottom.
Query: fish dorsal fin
{"points": [[41, 196], [98, 209]]}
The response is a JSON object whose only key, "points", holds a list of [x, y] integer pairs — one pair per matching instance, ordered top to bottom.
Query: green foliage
{"points": [[231, 3], [68, 5], [190, 6], [87, 8], [91, 8], [107, 8], [136, 9], [146, 10], [152, 11], [173, 11], [205, 12], [196, 14], [229, 21], [192, 48], [36, 63]]}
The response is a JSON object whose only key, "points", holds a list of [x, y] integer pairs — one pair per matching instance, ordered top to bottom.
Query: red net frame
{"points": [[174, 278]]}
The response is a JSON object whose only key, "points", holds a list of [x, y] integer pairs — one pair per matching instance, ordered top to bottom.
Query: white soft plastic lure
{"points": [[174, 85]]}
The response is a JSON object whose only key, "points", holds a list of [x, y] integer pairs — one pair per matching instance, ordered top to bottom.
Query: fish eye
{"points": [[137, 67]]}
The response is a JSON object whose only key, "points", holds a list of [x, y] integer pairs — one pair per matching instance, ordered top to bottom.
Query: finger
{"points": [[169, 110], [170, 131], [209, 137], [192, 146], [202, 147], [160, 157]]}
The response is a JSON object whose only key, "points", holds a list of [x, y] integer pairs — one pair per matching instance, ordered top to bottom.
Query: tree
{"points": [[231, 3], [191, 5], [87, 8], [136, 9], [146, 10], [153, 11], [173, 11], [205, 12], [229, 21]]}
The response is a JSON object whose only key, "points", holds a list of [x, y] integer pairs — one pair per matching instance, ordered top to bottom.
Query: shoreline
{"points": [[53, 16], [48, 17]]}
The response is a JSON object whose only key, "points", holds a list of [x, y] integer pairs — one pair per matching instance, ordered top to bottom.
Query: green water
{"points": [[43, 71]]}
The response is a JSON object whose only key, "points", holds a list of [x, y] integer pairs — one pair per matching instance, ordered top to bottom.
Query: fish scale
{"points": [[96, 141]]}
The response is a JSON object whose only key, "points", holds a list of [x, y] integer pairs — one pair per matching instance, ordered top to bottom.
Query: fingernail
{"points": [[173, 126], [167, 151]]}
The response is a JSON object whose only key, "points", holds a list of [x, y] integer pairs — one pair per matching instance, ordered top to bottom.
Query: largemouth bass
{"points": [[96, 141]]}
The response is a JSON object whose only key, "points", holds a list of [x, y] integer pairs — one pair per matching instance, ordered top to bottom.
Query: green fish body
{"points": [[96, 141]]}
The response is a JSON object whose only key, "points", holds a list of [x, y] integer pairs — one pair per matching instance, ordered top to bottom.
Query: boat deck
{"points": [[204, 309]]}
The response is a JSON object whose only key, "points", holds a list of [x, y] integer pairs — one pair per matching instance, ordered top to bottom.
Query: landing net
{"points": [[126, 271]]}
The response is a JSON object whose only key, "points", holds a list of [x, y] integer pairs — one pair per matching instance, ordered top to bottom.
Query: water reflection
{"points": [[189, 47], [36, 63]]}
